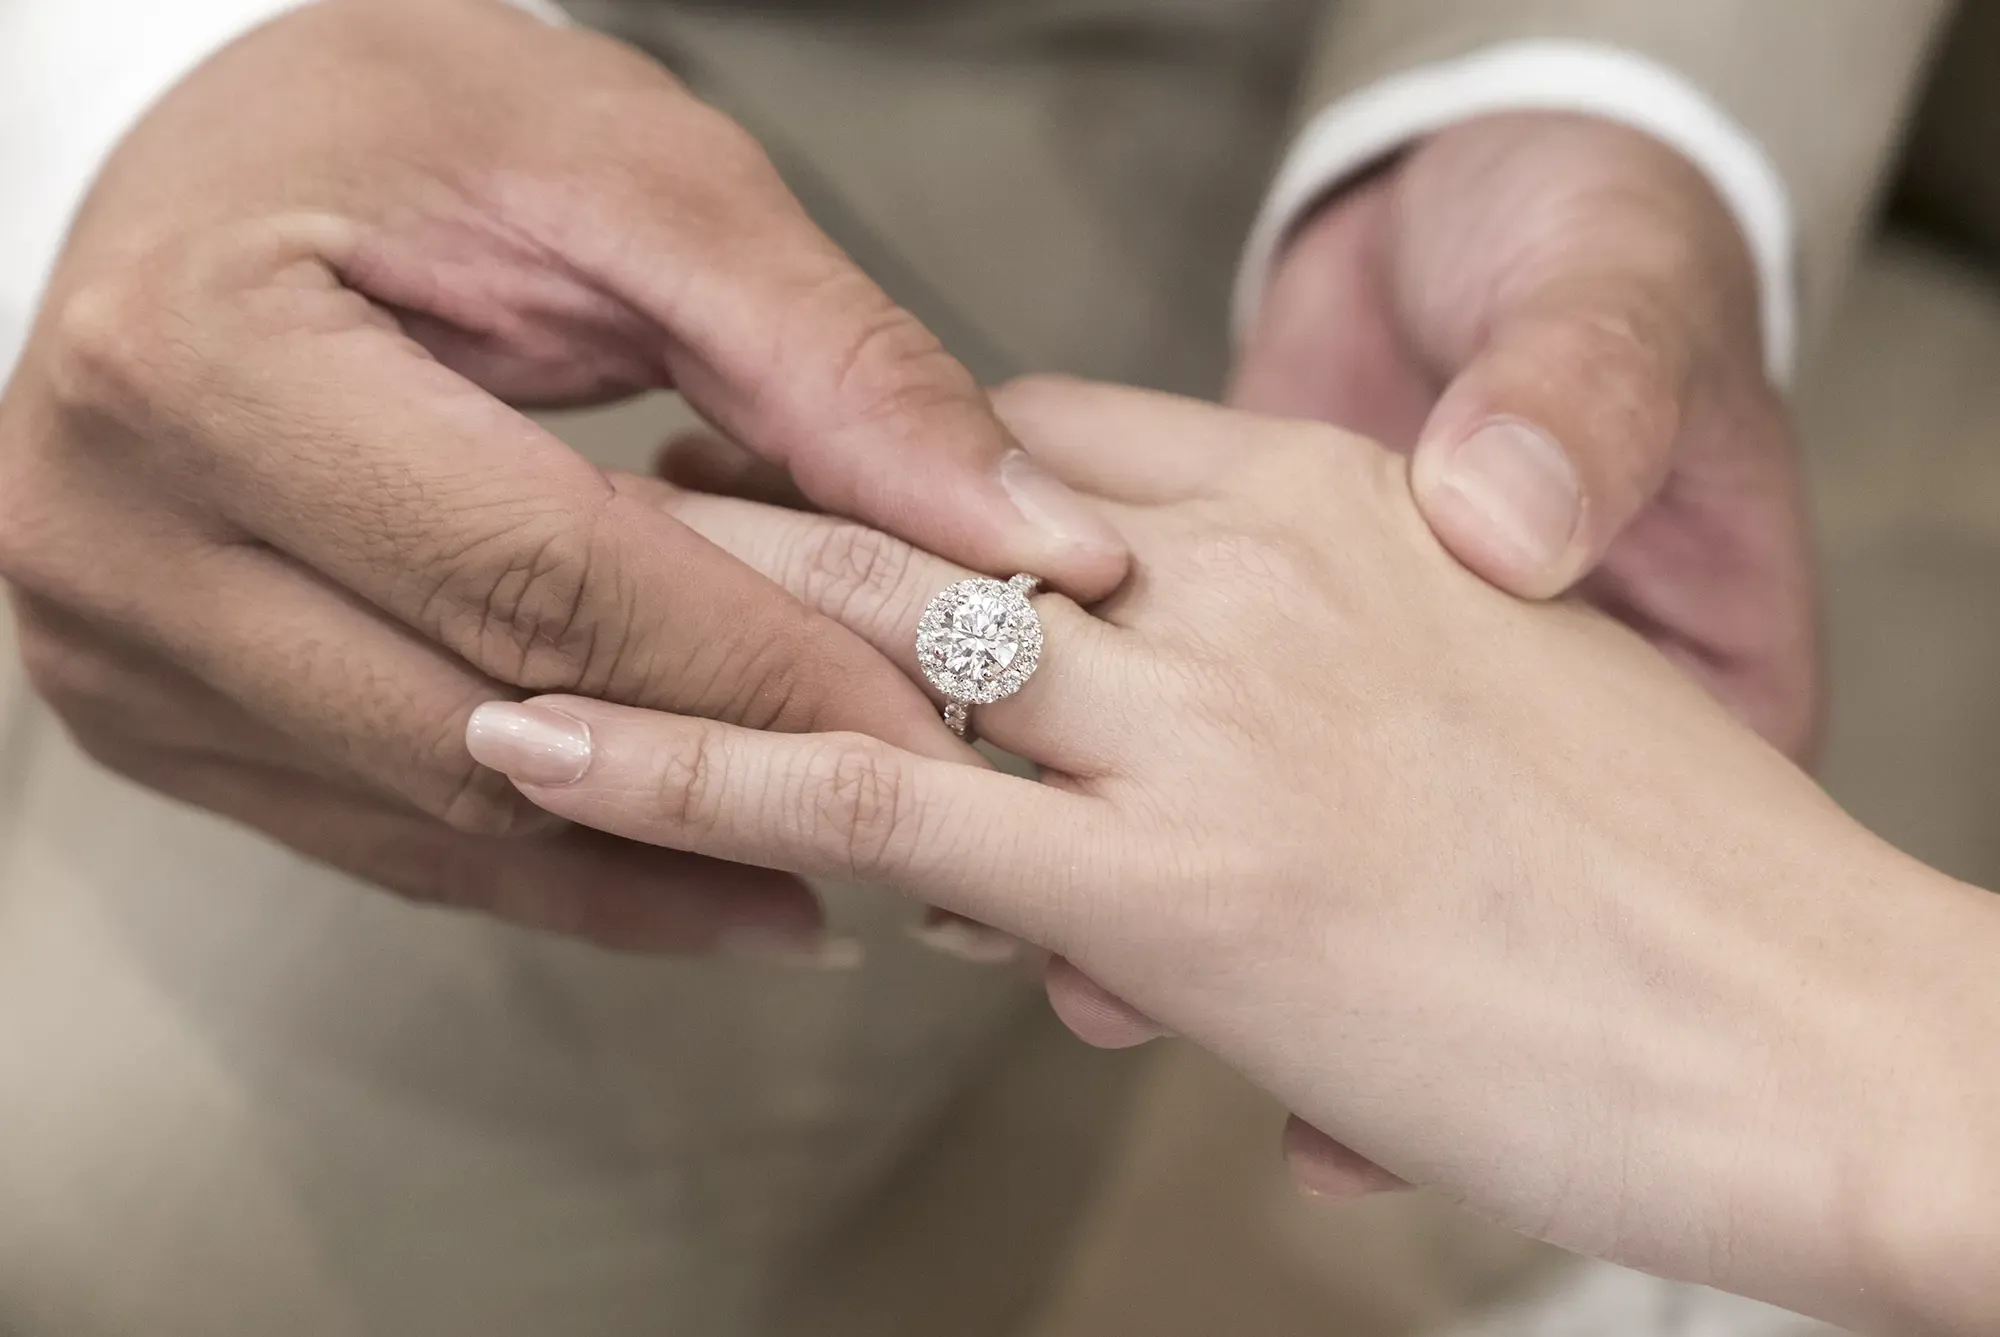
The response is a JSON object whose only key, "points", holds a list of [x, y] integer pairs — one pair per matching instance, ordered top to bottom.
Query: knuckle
{"points": [[1610, 333], [1626, 345], [106, 347], [1637, 364], [886, 368], [1306, 461], [1306, 477], [1273, 560], [852, 569], [536, 605], [779, 678], [775, 688], [688, 785], [855, 795]]}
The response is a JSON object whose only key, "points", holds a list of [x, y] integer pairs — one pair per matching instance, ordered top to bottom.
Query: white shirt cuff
{"points": [[75, 75], [1584, 77]]}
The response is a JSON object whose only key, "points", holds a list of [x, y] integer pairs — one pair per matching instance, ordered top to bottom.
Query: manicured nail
{"points": [[1524, 487], [1053, 508], [530, 745], [966, 941], [794, 949]]}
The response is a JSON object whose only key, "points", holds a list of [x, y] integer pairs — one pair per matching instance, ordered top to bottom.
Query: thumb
{"points": [[1555, 436]]}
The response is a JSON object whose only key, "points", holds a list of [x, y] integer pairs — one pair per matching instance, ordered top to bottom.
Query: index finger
{"points": [[781, 340], [342, 444]]}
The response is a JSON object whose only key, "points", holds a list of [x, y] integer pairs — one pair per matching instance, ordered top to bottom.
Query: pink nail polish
{"points": [[530, 745]]}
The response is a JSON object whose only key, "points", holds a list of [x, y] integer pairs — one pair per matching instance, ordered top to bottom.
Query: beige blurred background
{"points": [[1188, 1228]]}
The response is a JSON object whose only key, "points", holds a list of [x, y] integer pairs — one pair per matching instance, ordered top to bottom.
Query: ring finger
{"points": [[879, 586]]}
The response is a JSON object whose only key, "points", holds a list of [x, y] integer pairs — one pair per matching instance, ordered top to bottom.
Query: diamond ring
{"points": [[979, 642]]}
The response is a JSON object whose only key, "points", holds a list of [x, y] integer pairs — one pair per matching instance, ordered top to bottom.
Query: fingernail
{"points": [[1523, 486], [1053, 508], [530, 745], [963, 940], [794, 949]]}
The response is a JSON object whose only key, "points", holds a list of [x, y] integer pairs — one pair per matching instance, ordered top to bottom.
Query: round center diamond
{"points": [[979, 641], [979, 646]]}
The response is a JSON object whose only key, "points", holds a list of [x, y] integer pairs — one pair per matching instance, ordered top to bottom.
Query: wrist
{"points": [[1791, 1102], [1920, 1115], [1866, 1178]]}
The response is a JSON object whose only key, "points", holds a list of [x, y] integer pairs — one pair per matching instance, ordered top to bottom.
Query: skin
{"points": [[1581, 287], [1558, 319], [274, 522], [1487, 889]]}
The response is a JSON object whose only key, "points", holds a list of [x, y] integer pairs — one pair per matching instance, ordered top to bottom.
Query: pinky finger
{"points": [[824, 805]]}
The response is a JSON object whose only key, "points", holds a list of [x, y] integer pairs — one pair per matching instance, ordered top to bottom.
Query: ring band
{"points": [[979, 642]]}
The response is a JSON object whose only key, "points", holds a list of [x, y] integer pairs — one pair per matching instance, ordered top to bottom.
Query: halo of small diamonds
{"points": [[980, 640]]}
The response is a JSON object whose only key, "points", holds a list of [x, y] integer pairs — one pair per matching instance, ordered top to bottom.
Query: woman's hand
{"points": [[1488, 891]]}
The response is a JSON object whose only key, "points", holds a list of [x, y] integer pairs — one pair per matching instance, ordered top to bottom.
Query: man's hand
{"points": [[1560, 317], [274, 525]]}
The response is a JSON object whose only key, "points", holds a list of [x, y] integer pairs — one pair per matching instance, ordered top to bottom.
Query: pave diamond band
{"points": [[979, 642]]}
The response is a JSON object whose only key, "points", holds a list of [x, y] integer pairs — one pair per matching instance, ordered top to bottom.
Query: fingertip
{"points": [[1556, 434], [1507, 501], [1082, 552], [534, 744], [966, 940], [1095, 1016], [1323, 1168]]}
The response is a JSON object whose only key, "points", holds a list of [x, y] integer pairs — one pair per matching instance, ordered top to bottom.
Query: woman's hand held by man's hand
{"points": [[1487, 890]]}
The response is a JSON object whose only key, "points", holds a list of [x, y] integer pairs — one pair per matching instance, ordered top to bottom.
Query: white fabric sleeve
{"points": [[75, 75], [1584, 77]]}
